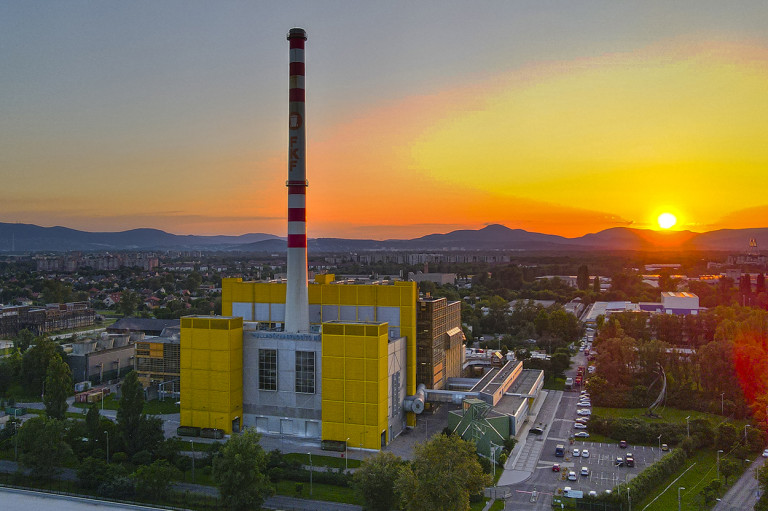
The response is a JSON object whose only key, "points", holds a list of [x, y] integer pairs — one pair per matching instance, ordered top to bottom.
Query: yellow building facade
{"points": [[211, 372]]}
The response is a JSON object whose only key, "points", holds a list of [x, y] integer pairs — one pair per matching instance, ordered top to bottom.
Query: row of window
{"points": [[305, 371]]}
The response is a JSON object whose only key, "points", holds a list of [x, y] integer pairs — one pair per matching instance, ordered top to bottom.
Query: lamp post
{"points": [[722, 405], [688, 426], [107, 433], [745, 433], [15, 435], [659, 446], [346, 455], [193, 460], [718, 463], [310, 473], [629, 498], [679, 505]]}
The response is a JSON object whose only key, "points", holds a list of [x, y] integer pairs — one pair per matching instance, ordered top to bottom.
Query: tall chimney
{"points": [[297, 295]]}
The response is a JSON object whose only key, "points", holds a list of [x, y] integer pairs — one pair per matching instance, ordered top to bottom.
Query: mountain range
{"points": [[15, 238]]}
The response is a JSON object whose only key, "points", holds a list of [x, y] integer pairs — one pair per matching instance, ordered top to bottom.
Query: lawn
{"points": [[556, 384], [154, 407], [667, 414], [321, 461], [693, 481], [320, 491]]}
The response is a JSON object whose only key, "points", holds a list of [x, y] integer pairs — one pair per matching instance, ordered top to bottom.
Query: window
{"points": [[267, 369], [305, 372]]}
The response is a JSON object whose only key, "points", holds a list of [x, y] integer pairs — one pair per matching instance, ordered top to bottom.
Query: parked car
{"points": [[584, 411], [582, 420], [580, 425], [582, 434], [623, 444], [664, 447], [576, 453], [585, 453], [765, 453], [630, 460], [619, 461], [556, 467], [584, 471], [572, 476], [592, 493]]}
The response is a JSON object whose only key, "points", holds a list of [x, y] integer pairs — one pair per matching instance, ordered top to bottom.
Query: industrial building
{"points": [[42, 320], [439, 342], [99, 360], [158, 360]]}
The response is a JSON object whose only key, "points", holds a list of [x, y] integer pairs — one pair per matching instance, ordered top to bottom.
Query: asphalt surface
{"points": [[744, 493]]}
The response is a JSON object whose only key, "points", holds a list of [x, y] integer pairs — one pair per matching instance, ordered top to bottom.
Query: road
{"points": [[743, 494]]}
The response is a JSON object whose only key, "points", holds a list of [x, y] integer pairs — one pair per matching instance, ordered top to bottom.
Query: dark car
{"points": [[537, 431], [623, 444], [630, 460], [556, 467]]}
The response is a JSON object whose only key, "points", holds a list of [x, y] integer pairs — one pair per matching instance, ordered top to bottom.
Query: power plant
{"points": [[326, 360]]}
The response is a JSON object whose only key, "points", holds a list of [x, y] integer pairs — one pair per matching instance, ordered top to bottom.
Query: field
{"points": [[154, 407], [667, 414], [318, 460], [319, 492]]}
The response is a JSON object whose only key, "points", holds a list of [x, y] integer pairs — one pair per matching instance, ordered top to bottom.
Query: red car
{"points": [[556, 467]]}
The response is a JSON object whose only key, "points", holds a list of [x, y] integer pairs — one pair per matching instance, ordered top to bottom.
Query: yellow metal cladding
{"points": [[402, 295], [211, 371], [355, 383]]}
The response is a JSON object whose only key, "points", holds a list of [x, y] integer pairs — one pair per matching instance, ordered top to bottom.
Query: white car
{"points": [[584, 403], [584, 411], [582, 420], [580, 425], [582, 434], [576, 453], [585, 453], [765, 453], [584, 471], [572, 476], [592, 493]]}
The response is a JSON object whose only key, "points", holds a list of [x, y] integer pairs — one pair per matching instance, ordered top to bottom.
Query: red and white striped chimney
{"points": [[297, 295]]}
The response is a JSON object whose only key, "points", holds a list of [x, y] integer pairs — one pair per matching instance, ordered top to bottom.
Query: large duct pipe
{"points": [[297, 294], [415, 403]]}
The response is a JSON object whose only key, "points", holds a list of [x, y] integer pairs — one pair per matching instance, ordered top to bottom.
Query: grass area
{"points": [[554, 383], [154, 407], [667, 414], [68, 415], [594, 437], [183, 444], [321, 461], [693, 481], [320, 491], [478, 506], [498, 506]]}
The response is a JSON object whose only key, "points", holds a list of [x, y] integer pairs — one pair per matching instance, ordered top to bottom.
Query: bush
{"points": [[119, 457], [142, 458], [118, 488]]}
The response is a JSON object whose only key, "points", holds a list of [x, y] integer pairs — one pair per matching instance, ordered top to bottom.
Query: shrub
{"points": [[119, 457], [142, 458]]}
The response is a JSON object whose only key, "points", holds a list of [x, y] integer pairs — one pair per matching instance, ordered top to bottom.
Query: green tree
{"points": [[582, 277], [596, 285], [56, 291], [129, 302], [23, 340], [559, 363], [35, 364], [58, 387], [129, 412], [92, 422], [726, 436], [41, 448], [728, 468], [93, 472], [240, 473], [444, 473], [154, 480], [375, 480], [710, 492]]}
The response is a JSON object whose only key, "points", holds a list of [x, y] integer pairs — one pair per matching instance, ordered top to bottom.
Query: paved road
{"points": [[743, 494]]}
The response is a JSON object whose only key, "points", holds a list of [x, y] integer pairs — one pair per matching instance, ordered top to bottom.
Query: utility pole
{"points": [[722, 404], [688, 426], [107, 432], [310, 473]]}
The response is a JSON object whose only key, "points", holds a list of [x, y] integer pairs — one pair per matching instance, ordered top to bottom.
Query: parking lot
{"points": [[603, 472]]}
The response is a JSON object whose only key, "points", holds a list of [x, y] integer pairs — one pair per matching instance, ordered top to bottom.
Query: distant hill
{"points": [[33, 238]]}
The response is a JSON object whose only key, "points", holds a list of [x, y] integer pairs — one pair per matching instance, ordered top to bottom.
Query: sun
{"points": [[667, 220]]}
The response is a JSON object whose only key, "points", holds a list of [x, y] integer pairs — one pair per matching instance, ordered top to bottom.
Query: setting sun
{"points": [[667, 220]]}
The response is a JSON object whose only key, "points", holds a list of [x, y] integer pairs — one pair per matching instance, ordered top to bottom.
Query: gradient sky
{"points": [[558, 117]]}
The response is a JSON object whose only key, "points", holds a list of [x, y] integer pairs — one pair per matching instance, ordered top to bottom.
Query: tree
{"points": [[582, 277], [596, 285], [129, 302], [23, 340], [559, 363], [35, 364], [58, 387], [129, 411], [92, 422], [41, 447], [728, 468], [93, 472], [240, 472], [444, 473], [154, 480], [375, 480], [710, 492]]}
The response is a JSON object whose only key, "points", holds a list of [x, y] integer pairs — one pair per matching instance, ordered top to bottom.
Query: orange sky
{"points": [[567, 146]]}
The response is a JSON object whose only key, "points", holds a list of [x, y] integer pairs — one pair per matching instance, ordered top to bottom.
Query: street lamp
{"points": [[722, 406], [688, 426], [107, 432], [745, 433], [659, 446], [346, 455], [718, 463], [310, 473], [679, 507]]}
